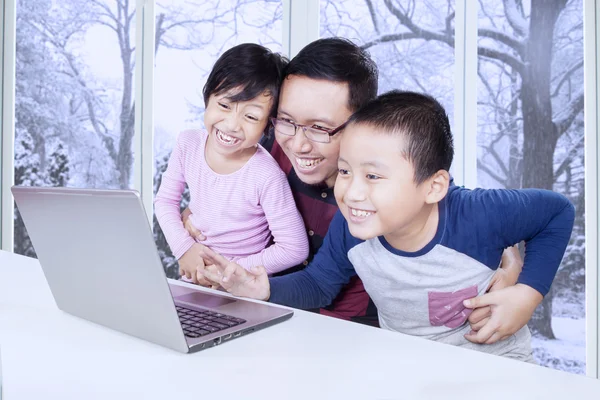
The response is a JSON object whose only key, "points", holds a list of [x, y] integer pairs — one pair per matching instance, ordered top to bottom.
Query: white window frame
{"points": [[591, 13], [301, 25], [465, 94], [7, 125], [143, 138]]}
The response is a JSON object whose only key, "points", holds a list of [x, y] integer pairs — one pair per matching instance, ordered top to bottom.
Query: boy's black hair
{"points": [[339, 60], [251, 67], [421, 120]]}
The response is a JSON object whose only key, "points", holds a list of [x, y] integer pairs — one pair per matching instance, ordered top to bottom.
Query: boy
{"points": [[421, 245]]}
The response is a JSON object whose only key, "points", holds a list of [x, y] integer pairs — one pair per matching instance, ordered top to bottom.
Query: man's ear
{"points": [[437, 187]]}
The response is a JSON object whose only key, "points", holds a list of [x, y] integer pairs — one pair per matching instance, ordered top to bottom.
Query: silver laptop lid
{"points": [[98, 255]]}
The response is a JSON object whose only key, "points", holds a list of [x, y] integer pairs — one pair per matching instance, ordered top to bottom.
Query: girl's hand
{"points": [[190, 262]]}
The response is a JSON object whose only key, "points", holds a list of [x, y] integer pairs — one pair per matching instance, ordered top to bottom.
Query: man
{"points": [[324, 84]]}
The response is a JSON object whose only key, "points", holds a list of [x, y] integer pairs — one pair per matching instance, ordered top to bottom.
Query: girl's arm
{"points": [[167, 203], [290, 246]]}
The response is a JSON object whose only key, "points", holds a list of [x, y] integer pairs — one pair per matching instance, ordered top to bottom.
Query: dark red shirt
{"points": [[317, 206]]}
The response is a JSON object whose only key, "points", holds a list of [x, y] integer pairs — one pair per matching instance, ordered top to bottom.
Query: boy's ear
{"points": [[437, 187]]}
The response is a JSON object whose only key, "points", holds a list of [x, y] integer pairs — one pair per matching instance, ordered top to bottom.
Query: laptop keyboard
{"points": [[200, 323]]}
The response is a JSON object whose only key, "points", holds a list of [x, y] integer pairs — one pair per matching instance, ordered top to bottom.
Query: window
{"points": [[407, 60], [74, 102], [530, 134]]}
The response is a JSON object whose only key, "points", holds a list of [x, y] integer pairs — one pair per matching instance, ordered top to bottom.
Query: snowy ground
{"points": [[567, 351]]}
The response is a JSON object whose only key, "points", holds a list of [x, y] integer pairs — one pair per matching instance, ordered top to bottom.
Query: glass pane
{"points": [[191, 36], [406, 60], [74, 96], [530, 134]]}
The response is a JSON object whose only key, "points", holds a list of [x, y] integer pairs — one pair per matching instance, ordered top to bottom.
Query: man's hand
{"points": [[187, 223], [190, 262], [505, 276], [234, 278], [203, 279], [511, 309]]}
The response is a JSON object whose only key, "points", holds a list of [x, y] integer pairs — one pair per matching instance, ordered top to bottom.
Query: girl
{"points": [[239, 197]]}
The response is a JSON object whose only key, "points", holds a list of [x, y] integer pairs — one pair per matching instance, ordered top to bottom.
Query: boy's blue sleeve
{"points": [[542, 218], [321, 281]]}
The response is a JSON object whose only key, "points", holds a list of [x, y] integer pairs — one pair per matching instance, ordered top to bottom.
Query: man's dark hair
{"points": [[339, 60], [251, 67], [421, 120]]}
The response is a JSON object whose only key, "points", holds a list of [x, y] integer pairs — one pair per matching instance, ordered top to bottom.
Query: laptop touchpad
{"points": [[204, 300]]}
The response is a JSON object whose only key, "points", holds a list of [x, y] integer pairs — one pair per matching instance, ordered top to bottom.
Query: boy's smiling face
{"points": [[376, 189]]}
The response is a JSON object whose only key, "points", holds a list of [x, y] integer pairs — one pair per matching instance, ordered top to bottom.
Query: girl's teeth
{"points": [[226, 138], [305, 163], [360, 213]]}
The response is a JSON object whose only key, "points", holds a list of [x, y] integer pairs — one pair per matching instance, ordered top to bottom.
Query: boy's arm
{"points": [[167, 204], [544, 220], [483, 223], [290, 245], [321, 281], [315, 286]]}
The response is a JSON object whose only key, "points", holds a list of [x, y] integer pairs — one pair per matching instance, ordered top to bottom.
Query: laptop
{"points": [[97, 251]]}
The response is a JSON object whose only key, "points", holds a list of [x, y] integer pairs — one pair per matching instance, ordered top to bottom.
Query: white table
{"points": [[48, 354]]}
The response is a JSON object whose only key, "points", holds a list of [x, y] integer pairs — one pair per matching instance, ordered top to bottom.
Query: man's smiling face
{"points": [[313, 102]]}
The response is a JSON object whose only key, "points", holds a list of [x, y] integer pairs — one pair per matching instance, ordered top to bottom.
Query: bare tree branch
{"points": [[483, 10], [373, 16], [515, 18], [449, 19], [421, 32], [394, 37], [447, 38], [503, 38], [504, 57], [566, 77], [570, 112], [571, 154], [491, 173]]}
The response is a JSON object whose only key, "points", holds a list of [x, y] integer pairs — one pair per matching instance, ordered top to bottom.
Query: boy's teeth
{"points": [[307, 162], [360, 213]]}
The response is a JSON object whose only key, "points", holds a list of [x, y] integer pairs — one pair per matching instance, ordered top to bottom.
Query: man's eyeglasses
{"points": [[319, 135]]}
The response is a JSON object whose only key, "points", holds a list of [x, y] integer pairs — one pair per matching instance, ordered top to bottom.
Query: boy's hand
{"points": [[187, 223], [190, 262], [506, 276], [234, 278], [511, 309]]}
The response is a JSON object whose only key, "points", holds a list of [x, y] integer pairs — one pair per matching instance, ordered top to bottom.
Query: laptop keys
{"points": [[226, 322], [200, 323], [218, 325], [210, 328]]}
